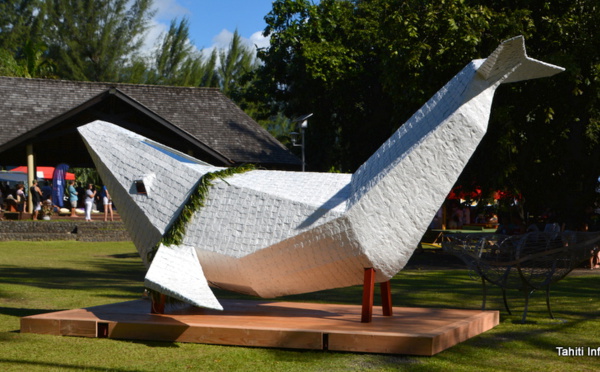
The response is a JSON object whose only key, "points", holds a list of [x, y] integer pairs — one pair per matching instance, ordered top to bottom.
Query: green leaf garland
{"points": [[197, 199]]}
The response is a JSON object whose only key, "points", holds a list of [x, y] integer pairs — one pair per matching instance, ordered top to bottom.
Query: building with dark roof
{"points": [[39, 117]]}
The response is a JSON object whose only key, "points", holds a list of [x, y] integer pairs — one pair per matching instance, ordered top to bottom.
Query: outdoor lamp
{"points": [[295, 136]]}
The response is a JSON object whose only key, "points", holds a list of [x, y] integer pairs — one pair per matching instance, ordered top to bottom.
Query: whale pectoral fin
{"points": [[510, 58], [176, 272]]}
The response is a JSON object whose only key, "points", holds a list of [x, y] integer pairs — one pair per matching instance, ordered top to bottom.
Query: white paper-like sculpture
{"points": [[273, 233]]}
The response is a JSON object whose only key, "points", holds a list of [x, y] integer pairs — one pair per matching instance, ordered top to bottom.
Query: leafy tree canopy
{"points": [[20, 20], [92, 39], [364, 66]]}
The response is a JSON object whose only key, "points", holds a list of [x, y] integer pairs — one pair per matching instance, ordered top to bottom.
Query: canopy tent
{"points": [[43, 172], [20, 177]]}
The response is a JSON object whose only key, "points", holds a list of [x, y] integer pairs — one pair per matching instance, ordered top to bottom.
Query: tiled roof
{"points": [[206, 114]]}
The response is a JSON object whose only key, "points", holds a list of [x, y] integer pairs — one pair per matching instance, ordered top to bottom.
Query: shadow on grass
{"points": [[124, 255], [126, 277], [21, 312], [153, 344], [62, 366]]}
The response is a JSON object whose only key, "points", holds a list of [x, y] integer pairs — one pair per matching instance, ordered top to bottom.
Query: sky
{"points": [[213, 22]]}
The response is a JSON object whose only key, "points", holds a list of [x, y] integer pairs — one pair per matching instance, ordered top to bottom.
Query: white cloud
{"points": [[169, 9], [166, 10], [154, 32], [223, 39], [260, 40]]}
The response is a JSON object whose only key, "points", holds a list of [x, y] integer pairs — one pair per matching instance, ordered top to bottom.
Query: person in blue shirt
{"points": [[72, 197], [107, 203]]}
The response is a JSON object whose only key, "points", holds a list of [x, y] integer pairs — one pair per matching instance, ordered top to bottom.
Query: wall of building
{"points": [[63, 230]]}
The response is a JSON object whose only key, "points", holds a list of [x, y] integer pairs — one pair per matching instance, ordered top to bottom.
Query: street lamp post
{"points": [[295, 136]]}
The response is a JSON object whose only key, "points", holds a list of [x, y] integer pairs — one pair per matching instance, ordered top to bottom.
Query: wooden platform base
{"points": [[416, 331]]}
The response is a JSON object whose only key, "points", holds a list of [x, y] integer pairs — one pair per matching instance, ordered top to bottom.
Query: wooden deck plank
{"points": [[417, 331]]}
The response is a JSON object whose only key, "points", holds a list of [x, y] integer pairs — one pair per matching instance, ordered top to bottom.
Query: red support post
{"points": [[368, 289], [386, 298], [158, 303]]}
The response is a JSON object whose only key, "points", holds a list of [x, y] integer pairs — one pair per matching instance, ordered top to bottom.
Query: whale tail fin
{"points": [[510, 63]]}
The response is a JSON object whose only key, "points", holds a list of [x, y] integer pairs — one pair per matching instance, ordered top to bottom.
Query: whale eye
{"points": [[140, 187]]}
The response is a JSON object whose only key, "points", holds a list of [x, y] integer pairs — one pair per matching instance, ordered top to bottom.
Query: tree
{"points": [[20, 21], [91, 40], [173, 51], [22, 53], [35, 61], [174, 62], [178, 63], [32, 64], [233, 64], [9, 65], [364, 66], [137, 71], [196, 72], [210, 77], [86, 176]]}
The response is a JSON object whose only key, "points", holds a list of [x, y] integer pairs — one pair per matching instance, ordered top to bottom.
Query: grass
{"points": [[38, 277]]}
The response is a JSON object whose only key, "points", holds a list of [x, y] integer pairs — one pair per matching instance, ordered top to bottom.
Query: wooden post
{"points": [[30, 177], [368, 289], [386, 298], [158, 303]]}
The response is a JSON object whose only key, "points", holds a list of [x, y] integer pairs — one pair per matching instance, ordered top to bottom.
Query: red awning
{"points": [[43, 172], [458, 193]]}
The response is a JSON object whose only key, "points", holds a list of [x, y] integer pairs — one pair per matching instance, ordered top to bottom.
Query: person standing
{"points": [[90, 194], [20, 197], [72, 197], [36, 198], [107, 203]]}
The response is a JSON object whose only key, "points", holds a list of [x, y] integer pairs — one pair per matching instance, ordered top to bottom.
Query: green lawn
{"points": [[38, 277]]}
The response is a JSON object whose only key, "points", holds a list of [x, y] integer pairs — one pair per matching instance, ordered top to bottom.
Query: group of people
{"points": [[43, 195], [15, 196], [39, 196], [90, 197], [460, 215]]}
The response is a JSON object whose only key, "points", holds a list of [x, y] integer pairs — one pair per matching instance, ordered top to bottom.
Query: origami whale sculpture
{"points": [[272, 233]]}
